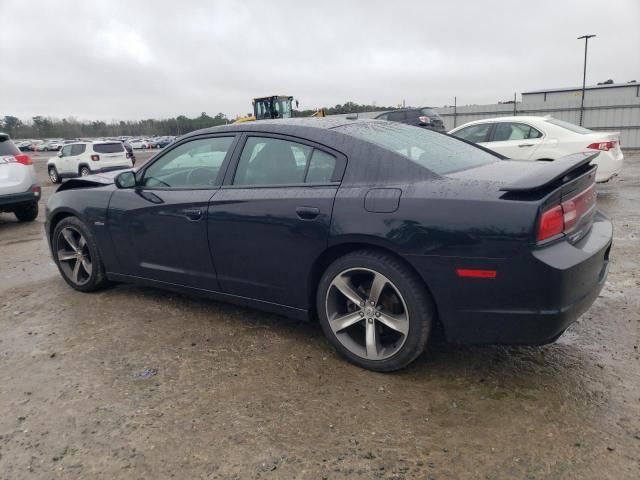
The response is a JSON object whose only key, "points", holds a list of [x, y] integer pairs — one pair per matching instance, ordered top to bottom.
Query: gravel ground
{"points": [[136, 383]]}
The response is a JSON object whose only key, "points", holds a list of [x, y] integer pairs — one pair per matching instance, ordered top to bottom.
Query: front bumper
{"points": [[534, 297]]}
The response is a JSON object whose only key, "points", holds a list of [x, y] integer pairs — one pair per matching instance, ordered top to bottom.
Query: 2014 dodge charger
{"points": [[379, 230]]}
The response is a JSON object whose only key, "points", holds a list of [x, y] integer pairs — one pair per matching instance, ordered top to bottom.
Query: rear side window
{"points": [[429, 112], [396, 116], [514, 131], [474, 133], [7, 147], [115, 147], [78, 149], [437, 152], [272, 161], [321, 167]]}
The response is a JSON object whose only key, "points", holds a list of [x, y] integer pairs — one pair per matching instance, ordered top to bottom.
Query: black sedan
{"points": [[377, 230]]}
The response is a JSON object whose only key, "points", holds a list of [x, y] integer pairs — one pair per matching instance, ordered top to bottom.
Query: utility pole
{"points": [[584, 73]]}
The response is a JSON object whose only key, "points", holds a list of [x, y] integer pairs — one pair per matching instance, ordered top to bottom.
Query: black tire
{"points": [[84, 171], [54, 176], [27, 213], [97, 278], [419, 305]]}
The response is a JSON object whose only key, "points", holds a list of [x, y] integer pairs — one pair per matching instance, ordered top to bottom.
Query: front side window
{"points": [[396, 116], [514, 131], [474, 133], [77, 149], [66, 151], [438, 153], [272, 161], [194, 164]]}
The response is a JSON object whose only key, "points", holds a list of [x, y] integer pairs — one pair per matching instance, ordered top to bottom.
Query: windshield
{"points": [[568, 126], [437, 152]]}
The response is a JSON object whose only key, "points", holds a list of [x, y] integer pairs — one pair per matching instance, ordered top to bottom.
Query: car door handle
{"points": [[525, 145], [307, 213], [192, 214]]}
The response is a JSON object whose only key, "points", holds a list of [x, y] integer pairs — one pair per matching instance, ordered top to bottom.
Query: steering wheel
{"points": [[198, 174]]}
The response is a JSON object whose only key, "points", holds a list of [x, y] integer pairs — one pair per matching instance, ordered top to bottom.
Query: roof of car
{"points": [[522, 118], [286, 125]]}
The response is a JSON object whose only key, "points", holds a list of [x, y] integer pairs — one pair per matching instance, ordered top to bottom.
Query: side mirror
{"points": [[60, 153], [126, 179]]}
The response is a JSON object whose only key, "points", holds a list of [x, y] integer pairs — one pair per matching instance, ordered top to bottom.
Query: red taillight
{"points": [[424, 119], [605, 146], [95, 158], [23, 159], [36, 190], [565, 216], [551, 223], [469, 273]]}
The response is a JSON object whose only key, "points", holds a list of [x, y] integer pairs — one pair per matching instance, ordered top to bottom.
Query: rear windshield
{"points": [[429, 112], [569, 126], [7, 147], [115, 147], [437, 152]]}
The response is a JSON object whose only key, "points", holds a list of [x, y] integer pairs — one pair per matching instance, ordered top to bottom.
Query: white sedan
{"points": [[544, 139]]}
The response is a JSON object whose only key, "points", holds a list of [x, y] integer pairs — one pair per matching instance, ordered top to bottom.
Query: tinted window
{"points": [[429, 112], [384, 116], [396, 116], [568, 126], [514, 131], [474, 133], [7, 147], [108, 147], [77, 149], [66, 151], [439, 153], [270, 161], [193, 164], [321, 167]]}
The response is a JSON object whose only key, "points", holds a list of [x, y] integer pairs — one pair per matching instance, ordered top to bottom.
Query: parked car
{"points": [[420, 117], [544, 139], [138, 144], [53, 145], [25, 146], [129, 150], [80, 159], [19, 189], [378, 229]]}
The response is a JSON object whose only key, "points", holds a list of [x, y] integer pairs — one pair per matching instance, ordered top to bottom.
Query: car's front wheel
{"points": [[53, 175], [27, 213], [76, 253], [374, 310]]}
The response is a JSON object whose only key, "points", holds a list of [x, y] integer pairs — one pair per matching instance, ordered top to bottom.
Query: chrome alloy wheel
{"points": [[73, 256], [367, 313]]}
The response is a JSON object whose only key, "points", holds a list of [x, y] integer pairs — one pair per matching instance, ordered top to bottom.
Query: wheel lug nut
{"points": [[362, 304], [362, 314], [377, 314], [371, 320]]}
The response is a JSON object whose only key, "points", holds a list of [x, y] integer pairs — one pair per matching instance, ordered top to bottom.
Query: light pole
{"points": [[584, 74]]}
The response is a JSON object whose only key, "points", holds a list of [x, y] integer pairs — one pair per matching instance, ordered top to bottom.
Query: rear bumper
{"points": [[609, 165], [15, 200], [534, 297]]}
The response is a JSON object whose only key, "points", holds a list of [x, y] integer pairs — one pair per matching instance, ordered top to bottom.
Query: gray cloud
{"points": [[119, 59]]}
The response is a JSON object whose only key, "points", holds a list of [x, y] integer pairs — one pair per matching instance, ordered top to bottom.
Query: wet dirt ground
{"points": [[139, 383]]}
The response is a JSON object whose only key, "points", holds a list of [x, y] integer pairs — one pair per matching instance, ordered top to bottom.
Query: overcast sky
{"points": [[113, 59]]}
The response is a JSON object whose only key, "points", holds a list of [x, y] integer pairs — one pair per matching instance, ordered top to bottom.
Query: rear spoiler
{"points": [[551, 172]]}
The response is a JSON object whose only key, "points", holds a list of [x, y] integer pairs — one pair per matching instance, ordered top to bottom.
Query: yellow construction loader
{"points": [[275, 106]]}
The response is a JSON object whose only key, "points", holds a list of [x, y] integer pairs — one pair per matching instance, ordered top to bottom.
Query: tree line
{"points": [[70, 127]]}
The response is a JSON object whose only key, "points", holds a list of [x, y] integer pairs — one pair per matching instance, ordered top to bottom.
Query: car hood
{"points": [[97, 180]]}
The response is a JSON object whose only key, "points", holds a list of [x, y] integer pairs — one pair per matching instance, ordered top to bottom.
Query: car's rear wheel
{"points": [[84, 171], [53, 175], [27, 213], [76, 254], [374, 310]]}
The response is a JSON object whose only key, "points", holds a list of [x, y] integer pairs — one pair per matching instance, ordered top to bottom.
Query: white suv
{"points": [[80, 159], [19, 189]]}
